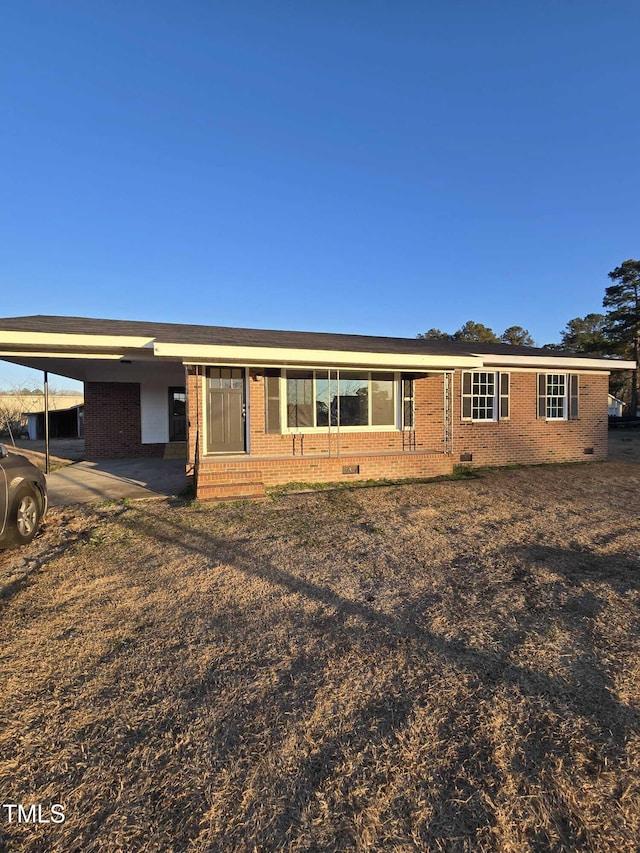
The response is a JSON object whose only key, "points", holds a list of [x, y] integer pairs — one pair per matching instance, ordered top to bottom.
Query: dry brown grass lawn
{"points": [[451, 666]]}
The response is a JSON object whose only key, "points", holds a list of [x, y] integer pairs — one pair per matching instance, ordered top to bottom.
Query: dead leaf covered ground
{"points": [[445, 666]]}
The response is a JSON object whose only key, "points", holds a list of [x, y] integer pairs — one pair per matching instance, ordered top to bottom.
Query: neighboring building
{"points": [[615, 407], [257, 408], [16, 409], [63, 423]]}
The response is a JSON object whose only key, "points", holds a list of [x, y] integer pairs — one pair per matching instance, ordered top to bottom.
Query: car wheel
{"points": [[25, 515]]}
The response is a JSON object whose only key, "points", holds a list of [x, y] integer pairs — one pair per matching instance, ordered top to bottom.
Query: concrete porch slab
{"points": [[115, 479]]}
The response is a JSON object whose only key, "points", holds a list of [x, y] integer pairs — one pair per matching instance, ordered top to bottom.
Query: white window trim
{"points": [[497, 397], [565, 400], [323, 430]]}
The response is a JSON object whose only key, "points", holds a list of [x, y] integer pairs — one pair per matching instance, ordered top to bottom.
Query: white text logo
{"points": [[37, 813]]}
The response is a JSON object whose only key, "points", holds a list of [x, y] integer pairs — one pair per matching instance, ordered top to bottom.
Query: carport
{"points": [[134, 396]]}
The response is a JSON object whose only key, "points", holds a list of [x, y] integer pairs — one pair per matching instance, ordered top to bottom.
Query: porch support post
{"points": [[46, 422]]}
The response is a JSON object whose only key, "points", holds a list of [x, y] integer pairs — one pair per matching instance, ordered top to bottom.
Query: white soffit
{"points": [[277, 355]]}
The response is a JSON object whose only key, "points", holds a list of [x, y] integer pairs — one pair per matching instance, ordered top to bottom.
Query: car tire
{"points": [[24, 516]]}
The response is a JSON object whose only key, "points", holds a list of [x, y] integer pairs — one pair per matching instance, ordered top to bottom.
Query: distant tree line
{"points": [[615, 333]]}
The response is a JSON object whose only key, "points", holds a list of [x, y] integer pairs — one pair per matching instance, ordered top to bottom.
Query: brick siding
{"points": [[112, 422], [526, 439], [313, 457], [322, 469]]}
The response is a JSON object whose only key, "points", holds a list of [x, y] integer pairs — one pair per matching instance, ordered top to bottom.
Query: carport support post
{"points": [[46, 422]]}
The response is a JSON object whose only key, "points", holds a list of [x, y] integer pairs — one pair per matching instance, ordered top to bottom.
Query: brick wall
{"points": [[428, 416], [195, 419], [112, 421], [429, 425], [524, 438], [520, 439], [275, 471]]}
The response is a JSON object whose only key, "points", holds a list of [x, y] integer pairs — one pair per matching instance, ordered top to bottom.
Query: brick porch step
{"points": [[211, 474], [218, 483], [229, 491]]}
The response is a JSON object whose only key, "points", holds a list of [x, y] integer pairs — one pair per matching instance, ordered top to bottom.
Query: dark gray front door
{"points": [[225, 410]]}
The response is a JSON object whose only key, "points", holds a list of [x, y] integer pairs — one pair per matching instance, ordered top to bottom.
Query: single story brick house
{"points": [[252, 408]]}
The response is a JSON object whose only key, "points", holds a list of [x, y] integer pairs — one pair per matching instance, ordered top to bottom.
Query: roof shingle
{"points": [[177, 333]]}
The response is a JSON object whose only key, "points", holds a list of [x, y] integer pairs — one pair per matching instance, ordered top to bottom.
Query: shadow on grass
{"points": [[294, 691], [593, 698]]}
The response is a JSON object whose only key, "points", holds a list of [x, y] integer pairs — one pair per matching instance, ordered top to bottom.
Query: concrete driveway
{"points": [[114, 479]]}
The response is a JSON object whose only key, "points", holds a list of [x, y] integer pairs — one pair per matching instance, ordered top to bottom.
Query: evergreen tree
{"points": [[622, 301], [476, 332], [587, 334], [435, 335], [517, 336]]}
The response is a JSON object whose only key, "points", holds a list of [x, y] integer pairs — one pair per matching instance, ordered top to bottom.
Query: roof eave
{"points": [[321, 358], [556, 361]]}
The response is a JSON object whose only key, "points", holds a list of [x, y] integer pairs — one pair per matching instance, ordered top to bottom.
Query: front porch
{"points": [[256, 427], [231, 478]]}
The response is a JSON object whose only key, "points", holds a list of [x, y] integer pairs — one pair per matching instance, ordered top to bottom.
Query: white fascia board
{"points": [[52, 339], [77, 356], [331, 358], [565, 362], [314, 365]]}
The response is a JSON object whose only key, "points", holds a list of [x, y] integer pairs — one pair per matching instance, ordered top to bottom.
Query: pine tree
{"points": [[622, 301], [587, 334], [517, 336]]}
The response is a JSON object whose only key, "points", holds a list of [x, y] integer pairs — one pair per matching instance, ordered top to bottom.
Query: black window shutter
{"points": [[466, 394], [504, 395], [542, 395], [573, 396], [272, 400]]}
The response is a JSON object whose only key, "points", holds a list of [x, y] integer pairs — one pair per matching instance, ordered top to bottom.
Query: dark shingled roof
{"points": [[178, 333]]}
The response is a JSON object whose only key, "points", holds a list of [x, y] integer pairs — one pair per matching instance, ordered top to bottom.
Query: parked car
{"points": [[23, 499]]}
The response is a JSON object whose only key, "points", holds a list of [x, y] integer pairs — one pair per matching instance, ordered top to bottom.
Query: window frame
{"points": [[335, 375], [501, 398]]}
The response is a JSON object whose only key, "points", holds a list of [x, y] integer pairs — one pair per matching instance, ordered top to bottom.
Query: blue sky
{"points": [[344, 165]]}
